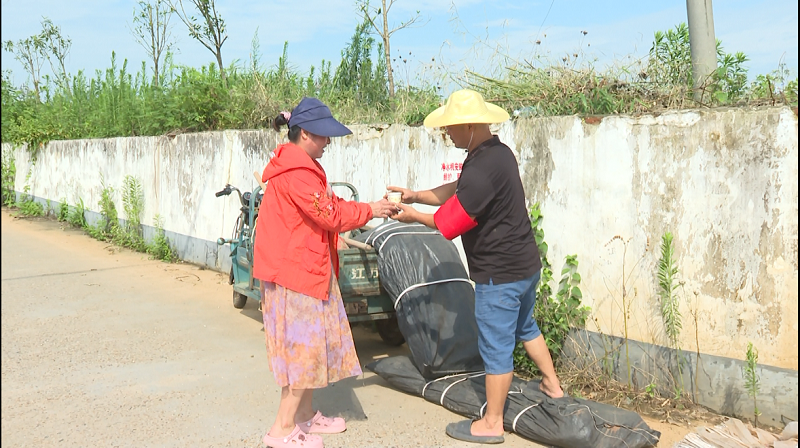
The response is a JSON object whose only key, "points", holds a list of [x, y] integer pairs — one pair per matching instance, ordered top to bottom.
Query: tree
{"points": [[371, 14], [151, 30], [211, 33], [56, 46], [30, 53], [670, 64], [355, 73]]}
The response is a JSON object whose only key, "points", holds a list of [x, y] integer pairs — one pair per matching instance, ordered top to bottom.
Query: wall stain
{"points": [[532, 139], [413, 142], [258, 143], [732, 395]]}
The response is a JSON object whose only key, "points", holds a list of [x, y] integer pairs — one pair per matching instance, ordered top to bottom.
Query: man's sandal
{"points": [[319, 424], [463, 431], [296, 439]]}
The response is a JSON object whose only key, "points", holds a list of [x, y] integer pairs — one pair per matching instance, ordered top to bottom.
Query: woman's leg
{"points": [[287, 409], [306, 410]]}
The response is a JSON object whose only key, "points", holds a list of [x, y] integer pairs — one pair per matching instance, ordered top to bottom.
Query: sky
{"points": [[451, 36]]}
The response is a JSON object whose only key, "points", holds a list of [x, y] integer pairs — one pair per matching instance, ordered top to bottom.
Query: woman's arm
{"points": [[332, 213]]}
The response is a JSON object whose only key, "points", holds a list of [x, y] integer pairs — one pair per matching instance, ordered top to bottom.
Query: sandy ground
{"points": [[104, 347]]}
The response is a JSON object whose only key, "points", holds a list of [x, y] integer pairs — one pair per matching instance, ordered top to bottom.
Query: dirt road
{"points": [[104, 347]]}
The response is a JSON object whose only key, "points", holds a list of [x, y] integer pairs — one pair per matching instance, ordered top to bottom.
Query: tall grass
{"points": [[122, 102]]}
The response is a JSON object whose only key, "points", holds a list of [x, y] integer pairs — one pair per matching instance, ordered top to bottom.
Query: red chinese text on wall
{"points": [[451, 171]]}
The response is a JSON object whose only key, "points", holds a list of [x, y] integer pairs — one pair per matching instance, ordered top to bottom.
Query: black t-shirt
{"points": [[502, 246]]}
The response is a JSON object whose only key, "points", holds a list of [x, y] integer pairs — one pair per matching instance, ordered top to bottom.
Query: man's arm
{"points": [[436, 196], [410, 215], [451, 219]]}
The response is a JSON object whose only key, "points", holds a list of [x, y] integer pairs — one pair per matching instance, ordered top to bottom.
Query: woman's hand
{"points": [[409, 196], [383, 208]]}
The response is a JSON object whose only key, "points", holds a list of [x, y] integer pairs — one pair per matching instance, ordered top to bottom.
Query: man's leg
{"points": [[496, 311], [528, 332], [538, 352], [491, 424]]}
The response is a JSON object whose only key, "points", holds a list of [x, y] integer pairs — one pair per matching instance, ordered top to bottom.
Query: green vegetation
{"points": [[663, 80], [171, 99], [119, 102], [9, 173], [30, 208], [63, 210], [77, 217], [108, 228], [160, 248], [670, 306], [556, 315], [752, 381]]}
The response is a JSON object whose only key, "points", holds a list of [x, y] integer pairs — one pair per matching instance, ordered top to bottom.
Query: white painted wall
{"points": [[724, 182]]}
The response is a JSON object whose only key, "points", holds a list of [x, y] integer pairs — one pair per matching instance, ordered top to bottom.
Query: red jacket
{"points": [[299, 222]]}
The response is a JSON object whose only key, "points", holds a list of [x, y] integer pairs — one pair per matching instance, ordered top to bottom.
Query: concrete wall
{"points": [[724, 182]]}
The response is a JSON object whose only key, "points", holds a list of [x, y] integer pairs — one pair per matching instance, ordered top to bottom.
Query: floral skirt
{"points": [[309, 342]]}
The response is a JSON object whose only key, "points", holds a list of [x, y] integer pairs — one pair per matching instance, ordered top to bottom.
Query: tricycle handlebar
{"points": [[228, 190], [224, 192]]}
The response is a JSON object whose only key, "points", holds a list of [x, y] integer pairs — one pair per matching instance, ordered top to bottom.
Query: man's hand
{"points": [[409, 196], [407, 214], [410, 215]]}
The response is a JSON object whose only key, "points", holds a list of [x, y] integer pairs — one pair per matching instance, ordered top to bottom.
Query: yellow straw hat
{"points": [[465, 106]]}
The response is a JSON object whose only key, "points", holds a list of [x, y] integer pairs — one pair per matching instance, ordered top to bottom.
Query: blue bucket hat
{"points": [[314, 116]]}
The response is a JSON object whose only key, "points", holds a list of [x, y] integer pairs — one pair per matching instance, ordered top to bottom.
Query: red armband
{"points": [[452, 220]]}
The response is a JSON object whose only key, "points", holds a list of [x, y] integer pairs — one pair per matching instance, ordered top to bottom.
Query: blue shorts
{"points": [[505, 315]]}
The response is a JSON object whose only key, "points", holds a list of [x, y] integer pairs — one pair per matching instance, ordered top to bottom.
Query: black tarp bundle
{"points": [[434, 299], [435, 304], [563, 422]]}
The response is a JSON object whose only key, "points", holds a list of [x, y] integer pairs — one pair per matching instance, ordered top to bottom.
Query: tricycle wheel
{"points": [[239, 300], [389, 331]]}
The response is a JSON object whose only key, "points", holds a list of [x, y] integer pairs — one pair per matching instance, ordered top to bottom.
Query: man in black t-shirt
{"points": [[486, 207]]}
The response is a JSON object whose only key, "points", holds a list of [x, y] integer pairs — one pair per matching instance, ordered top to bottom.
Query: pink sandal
{"points": [[319, 424], [296, 439]]}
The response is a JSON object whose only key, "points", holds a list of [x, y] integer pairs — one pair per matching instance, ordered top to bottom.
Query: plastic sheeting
{"points": [[434, 298], [435, 304], [563, 422]]}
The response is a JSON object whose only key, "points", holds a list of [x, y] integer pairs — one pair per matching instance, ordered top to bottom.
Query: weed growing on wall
{"points": [[660, 82], [9, 172], [27, 205], [133, 205], [30, 208], [63, 210], [77, 217], [110, 224], [130, 235], [160, 248], [626, 299], [670, 311], [695, 311], [556, 315], [752, 381]]}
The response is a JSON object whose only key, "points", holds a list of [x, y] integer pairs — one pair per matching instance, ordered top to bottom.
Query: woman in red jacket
{"points": [[307, 333]]}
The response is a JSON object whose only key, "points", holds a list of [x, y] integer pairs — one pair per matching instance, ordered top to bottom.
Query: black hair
{"points": [[294, 131]]}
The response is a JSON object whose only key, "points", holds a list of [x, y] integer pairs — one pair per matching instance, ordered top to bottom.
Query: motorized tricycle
{"points": [[364, 298]]}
